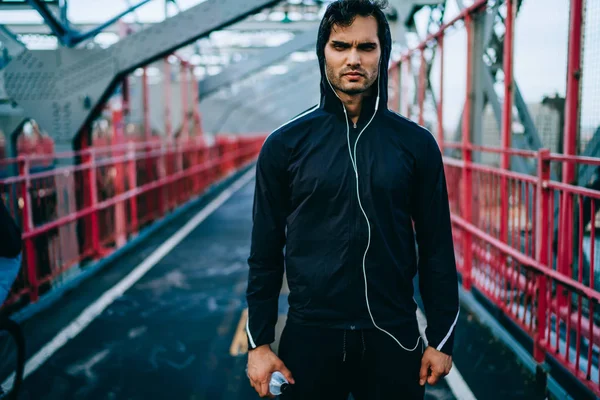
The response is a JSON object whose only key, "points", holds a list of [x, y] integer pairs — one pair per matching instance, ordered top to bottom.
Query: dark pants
{"points": [[330, 364]]}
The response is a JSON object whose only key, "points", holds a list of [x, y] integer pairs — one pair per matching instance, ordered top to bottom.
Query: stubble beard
{"points": [[338, 85]]}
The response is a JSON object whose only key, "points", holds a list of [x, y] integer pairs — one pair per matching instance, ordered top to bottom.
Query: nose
{"points": [[353, 59]]}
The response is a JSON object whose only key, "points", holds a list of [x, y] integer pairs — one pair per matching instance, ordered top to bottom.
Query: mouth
{"points": [[353, 75]]}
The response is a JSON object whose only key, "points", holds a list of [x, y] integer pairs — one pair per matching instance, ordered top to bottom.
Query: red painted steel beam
{"points": [[422, 87], [573, 87], [440, 109], [506, 134], [570, 141], [508, 151], [467, 155], [575, 159], [502, 173], [573, 190], [27, 223], [542, 246]]}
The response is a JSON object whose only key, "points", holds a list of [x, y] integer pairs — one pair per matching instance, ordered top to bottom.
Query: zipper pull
{"points": [[355, 125]]}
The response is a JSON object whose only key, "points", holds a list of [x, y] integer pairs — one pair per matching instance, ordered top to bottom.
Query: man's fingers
{"points": [[449, 367], [424, 371], [437, 372], [287, 373], [433, 379], [256, 386], [261, 387], [264, 388]]}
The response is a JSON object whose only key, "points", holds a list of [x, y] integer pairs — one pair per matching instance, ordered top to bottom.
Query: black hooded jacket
{"points": [[306, 200]]}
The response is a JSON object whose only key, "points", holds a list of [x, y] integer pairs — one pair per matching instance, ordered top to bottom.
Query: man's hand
{"points": [[262, 362], [434, 365]]}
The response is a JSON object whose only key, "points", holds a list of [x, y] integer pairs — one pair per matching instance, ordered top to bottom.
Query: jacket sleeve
{"points": [[10, 234], [266, 260], [438, 281]]}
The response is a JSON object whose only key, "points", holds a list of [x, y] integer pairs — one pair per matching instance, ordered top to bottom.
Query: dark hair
{"points": [[343, 13]]}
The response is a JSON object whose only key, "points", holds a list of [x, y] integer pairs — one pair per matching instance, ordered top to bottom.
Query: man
{"points": [[340, 186], [10, 252]]}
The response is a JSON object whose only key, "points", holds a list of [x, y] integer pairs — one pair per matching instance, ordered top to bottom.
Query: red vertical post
{"points": [[422, 86], [573, 88], [440, 110], [507, 115], [197, 130], [185, 135], [570, 141], [221, 155], [468, 159], [165, 160], [161, 173], [203, 175], [132, 178], [119, 182], [92, 189], [90, 193], [150, 202], [27, 224], [541, 247]]}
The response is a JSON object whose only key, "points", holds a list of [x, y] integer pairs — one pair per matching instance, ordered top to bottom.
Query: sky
{"points": [[541, 40]]}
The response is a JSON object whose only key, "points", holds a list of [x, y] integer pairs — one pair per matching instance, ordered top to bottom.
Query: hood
{"points": [[329, 99]]}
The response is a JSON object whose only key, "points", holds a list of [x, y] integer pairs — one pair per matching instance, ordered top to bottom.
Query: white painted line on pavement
{"points": [[96, 308], [457, 384]]}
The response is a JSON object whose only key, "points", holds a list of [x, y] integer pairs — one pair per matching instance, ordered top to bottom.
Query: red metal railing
{"points": [[79, 206], [96, 206], [526, 241]]}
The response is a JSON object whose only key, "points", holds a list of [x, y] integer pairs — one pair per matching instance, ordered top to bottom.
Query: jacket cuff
{"points": [[259, 334], [442, 343]]}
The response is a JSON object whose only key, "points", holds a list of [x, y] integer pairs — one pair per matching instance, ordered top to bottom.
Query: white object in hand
{"points": [[278, 383]]}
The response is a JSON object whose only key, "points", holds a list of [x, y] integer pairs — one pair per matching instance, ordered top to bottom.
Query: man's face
{"points": [[352, 56]]}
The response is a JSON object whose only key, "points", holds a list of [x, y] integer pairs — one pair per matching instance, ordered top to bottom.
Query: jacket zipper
{"points": [[353, 225]]}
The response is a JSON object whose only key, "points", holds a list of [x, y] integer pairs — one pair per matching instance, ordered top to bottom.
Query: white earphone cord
{"points": [[353, 160]]}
